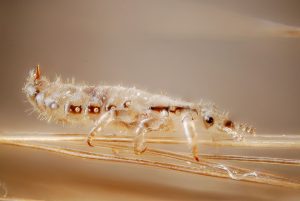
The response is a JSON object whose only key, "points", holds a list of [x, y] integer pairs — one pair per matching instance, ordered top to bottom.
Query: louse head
{"points": [[35, 83], [219, 123]]}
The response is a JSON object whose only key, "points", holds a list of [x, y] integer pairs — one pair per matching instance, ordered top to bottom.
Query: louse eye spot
{"points": [[75, 109], [93, 109]]}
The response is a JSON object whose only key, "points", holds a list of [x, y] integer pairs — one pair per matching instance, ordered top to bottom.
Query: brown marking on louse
{"points": [[36, 93], [126, 104], [110, 107], [159, 108], [75, 109], [93, 109], [172, 109], [177, 109], [229, 124]]}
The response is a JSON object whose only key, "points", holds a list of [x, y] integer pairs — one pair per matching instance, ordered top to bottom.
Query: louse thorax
{"points": [[64, 103], [221, 126]]}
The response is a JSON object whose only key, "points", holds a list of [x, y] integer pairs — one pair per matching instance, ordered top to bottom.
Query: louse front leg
{"points": [[105, 119], [191, 133]]}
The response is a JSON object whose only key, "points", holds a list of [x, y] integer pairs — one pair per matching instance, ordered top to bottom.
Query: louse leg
{"points": [[102, 122], [146, 125], [191, 134], [139, 143]]}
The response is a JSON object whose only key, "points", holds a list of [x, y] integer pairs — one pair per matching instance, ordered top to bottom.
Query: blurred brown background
{"points": [[188, 49], [223, 51]]}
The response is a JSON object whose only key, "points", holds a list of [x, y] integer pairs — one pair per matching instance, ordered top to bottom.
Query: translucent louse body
{"points": [[139, 111]]}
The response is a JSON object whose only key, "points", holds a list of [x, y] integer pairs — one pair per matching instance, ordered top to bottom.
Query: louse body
{"points": [[138, 111]]}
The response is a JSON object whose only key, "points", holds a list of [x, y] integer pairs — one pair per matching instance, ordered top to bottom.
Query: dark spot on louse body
{"points": [[37, 91], [126, 104], [110, 107], [159, 108], [75, 109], [92, 109], [172, 109], [177, 109], [228, 124]]}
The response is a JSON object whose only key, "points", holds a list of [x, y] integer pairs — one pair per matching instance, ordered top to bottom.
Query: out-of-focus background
{"points": [[238, 54]]}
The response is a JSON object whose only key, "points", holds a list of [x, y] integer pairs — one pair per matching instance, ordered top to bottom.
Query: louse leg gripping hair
{"points": [[140, 112]]}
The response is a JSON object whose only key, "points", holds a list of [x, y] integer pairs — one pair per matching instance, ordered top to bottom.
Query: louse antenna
{"points": [[37, 73]]}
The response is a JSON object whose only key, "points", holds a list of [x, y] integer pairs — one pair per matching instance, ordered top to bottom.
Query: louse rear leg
{"points": [[105, 119], [191, 134]]}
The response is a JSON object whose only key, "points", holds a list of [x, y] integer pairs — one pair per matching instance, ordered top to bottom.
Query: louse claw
{"points": [[90, 139], [89, 142]]}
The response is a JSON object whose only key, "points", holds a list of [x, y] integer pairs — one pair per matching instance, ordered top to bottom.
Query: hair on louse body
{"points": [[139, 111]]}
